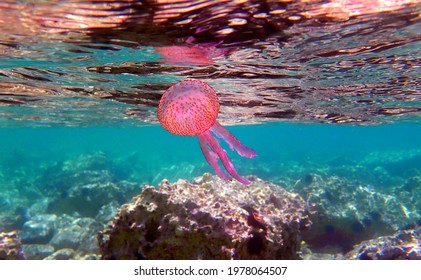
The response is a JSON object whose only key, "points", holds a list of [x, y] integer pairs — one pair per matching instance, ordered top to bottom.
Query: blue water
{"points": [[149, 154]]}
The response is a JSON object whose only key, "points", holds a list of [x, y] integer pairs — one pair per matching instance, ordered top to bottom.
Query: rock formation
{"points": [[208, 219]]}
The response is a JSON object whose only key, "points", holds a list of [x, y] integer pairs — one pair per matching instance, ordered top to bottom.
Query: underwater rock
{"points": [[85, 169], [92, 179], [84, 185], [412, 185], [410, 195], [88, 199], [107, 212], [349, 212], [12, 217], [207, 219], [11, 222], [39, 229], [45, 234], [78, 234], [67, 237], [403, 245], [10, 247], [37, 251], [62, 254], [87, 257]]}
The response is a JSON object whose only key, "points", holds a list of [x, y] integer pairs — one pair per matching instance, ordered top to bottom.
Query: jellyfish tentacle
{"points": [[207, 139], [233, 142], [212, 158]]}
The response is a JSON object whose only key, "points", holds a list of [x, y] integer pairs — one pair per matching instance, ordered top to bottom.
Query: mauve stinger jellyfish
{"points": [[191, 107]]}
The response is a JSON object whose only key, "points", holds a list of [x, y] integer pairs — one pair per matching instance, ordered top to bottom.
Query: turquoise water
{"points": [[149, 154]]}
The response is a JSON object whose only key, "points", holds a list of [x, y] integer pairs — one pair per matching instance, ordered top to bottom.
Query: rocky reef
{"points": [[85, 185], [72, 201], [58, 208], [350, 211], [208, 219], [178, 220], [47, 236], [403, 245], [10, 246]]}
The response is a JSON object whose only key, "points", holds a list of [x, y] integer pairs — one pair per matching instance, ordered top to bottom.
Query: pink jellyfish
{"points": [[191, 107]]}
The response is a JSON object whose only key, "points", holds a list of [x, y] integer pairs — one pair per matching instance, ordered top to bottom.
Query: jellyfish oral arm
{"points": [[233, 142], [212, 150], [212, 158]]}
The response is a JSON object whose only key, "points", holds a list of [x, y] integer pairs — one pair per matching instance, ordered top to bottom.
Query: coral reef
{"points": [[85, 185], [75, 199], [58, 208], [349, 212], [208, 218], [403, 245], [10, 247]]}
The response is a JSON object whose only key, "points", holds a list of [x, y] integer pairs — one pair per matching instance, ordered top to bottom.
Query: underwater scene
{"points": [[210, 129]]}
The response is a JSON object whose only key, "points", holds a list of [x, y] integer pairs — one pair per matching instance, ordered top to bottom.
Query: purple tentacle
{"points": [[207, 142], [233, 142], [211, 157]]}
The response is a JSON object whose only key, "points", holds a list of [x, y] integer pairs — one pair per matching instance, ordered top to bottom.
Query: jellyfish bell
{"points": [[188, 108]]}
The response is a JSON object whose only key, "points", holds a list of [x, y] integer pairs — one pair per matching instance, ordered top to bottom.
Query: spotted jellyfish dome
{"points": [[188, 108]]}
